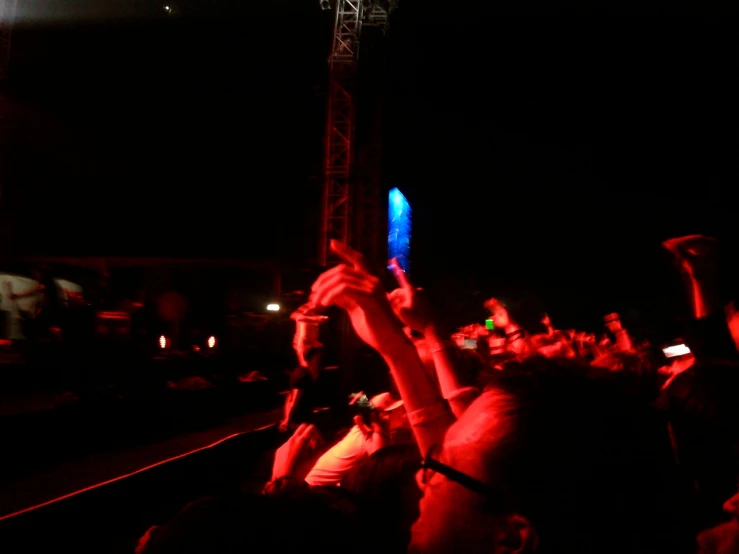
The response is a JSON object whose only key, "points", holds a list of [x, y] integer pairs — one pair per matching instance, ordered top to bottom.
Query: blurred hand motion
{"points": [[697, 254], [352, 287], [410, 304], [295, 451]]}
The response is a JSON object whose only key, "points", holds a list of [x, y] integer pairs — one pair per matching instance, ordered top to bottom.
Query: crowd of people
{"points": [[554, 442]]}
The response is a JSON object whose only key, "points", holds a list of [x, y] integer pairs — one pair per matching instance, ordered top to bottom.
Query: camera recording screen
{"points": [[676, 350]]}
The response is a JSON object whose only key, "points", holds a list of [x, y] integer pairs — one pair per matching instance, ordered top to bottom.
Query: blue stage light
{"points": [[399, 228]]}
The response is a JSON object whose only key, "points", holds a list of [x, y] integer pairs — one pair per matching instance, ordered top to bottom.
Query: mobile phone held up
{"points": [[470, 344], [675, 350], [362, 406]]}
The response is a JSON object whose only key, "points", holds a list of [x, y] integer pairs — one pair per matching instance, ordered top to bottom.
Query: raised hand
{"points": [[697, 254], [350, 286], [410, 304], [613, 323], [374, 434], [295, 451]]}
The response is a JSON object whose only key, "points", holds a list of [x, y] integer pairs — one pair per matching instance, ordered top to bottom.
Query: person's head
{"points": [[498, 313], [388, 411], [551, 461], [387, 493], [245, 522]]}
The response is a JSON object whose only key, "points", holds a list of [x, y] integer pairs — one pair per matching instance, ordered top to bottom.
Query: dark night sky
{"points": [[546, 155]]}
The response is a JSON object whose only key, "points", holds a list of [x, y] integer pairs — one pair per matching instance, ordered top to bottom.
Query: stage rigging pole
{"points": [[7, 17], [338, 189], [342, 192]]}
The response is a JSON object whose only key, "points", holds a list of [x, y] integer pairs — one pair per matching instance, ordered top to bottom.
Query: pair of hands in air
{"points": [[375, 315], [290, 458]]}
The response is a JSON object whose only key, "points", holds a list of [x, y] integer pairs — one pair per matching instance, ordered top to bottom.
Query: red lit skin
{"points": [[696, 256], [351, 287], [412, 307], [503, 321], [732, 321], [546, 322], [623, 340], [424, 352], [445, 364], [676, 367], [731, 506], [450, 520], [724, 538], [145, 539]]}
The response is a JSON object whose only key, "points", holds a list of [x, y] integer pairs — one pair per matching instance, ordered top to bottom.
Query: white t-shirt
{"points": [[345, 455]]}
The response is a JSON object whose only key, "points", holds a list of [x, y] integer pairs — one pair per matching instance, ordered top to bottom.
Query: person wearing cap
{"points": [[305, 385], [306, 392], [363, 439]]}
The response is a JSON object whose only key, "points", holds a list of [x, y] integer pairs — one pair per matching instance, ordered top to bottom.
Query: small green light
{"points": [[489, 325]]}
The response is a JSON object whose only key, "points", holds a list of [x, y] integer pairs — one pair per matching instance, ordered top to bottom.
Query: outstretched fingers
{"points": [[349, 255], [400, 274], [341, 287]]}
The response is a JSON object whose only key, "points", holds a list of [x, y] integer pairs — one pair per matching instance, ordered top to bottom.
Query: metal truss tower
{"points": [[7, 16], [338, 166]]}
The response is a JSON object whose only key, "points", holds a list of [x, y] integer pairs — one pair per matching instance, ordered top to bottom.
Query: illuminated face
{"points": [[500, 317], [450, 519]]}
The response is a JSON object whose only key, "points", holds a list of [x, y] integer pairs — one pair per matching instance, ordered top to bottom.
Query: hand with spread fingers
{"points": [[351, 287], [410, 304]]}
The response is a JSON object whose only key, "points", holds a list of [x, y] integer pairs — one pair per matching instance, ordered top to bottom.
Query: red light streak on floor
{"points": [[15, 495]]}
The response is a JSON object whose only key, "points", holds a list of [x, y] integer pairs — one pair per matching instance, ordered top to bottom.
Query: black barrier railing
{"points": [[33, 442], [110, 517]]}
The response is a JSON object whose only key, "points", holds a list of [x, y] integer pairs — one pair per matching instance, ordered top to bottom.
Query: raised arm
{"points": [[697, 256], [350, 286], [412, 307]]}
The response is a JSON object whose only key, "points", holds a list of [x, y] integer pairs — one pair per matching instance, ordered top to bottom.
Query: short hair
{"points": [[702, 407], [586, 462], [385, 484], [245, 522]]}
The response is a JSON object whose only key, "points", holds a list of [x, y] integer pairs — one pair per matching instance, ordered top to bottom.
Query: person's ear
{"points": [[516, 535]]}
